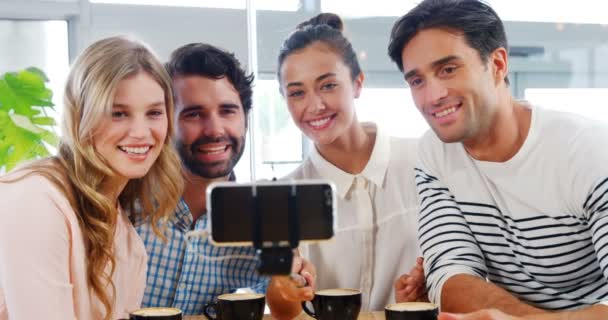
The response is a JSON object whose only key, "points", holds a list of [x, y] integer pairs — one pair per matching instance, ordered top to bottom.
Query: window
{"points": [[276, 5], [377, 8], [581, 11], [41, 44], [584, 101], [393, 109], [280, 145]]}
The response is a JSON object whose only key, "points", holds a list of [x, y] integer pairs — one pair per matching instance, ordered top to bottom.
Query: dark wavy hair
{"points": [[480, 25], [325, 28], [201, 59]]}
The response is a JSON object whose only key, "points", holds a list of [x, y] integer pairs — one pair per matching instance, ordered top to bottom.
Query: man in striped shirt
{"points": [[513, 198]]}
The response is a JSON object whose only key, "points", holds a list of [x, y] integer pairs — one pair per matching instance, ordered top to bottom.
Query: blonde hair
{"points": [[79, 170]]}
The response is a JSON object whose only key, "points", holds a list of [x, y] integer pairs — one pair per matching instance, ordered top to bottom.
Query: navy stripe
{"points": [[585, 205], [548, 260]]}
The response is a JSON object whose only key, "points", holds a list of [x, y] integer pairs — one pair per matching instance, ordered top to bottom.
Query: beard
{"points": [[210, 170]]}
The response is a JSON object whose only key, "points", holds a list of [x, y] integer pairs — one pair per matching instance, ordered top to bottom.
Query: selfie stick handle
{"points": [[275, 259]]}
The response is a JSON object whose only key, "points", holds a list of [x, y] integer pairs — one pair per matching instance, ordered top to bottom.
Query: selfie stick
{"points": [[274, 258]]}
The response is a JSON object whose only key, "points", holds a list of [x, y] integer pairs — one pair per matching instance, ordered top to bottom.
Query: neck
{"points": [[505, 135], [352, 151], [113, 188], [195, 193]]}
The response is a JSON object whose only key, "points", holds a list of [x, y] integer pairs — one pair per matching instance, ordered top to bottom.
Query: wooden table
{"points": [[362, 316]]}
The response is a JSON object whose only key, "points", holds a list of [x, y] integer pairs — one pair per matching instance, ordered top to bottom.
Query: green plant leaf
{"points": [[39, 72], [30, 91], [22, 95], [7, 96], [43, 121], [24, 123], [50, 137]]}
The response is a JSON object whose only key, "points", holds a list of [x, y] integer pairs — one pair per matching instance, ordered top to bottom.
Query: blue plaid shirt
{"points": [[188, 272]]}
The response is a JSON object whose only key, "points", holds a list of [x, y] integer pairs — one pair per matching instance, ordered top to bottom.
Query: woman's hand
{"points": [[412, 286]]}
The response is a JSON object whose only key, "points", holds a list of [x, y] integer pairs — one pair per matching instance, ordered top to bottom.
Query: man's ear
{"points": [[499, 62], [358, 84]]}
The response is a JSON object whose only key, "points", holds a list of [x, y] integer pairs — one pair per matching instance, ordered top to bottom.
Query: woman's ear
{"points": [[358, 84]]}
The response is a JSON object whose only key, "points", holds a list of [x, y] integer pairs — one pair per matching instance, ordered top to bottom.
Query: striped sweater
{"points": [[535, 225]]}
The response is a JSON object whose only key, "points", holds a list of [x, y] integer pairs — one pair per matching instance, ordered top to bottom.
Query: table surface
{"points": [[362, 316]]}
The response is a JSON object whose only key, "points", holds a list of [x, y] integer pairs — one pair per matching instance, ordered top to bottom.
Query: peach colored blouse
{"points": [[42, 258]]}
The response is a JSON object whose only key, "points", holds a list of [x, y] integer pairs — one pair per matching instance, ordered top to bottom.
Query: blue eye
{"points": [[329, 86], [156, 113], [119, 114]]}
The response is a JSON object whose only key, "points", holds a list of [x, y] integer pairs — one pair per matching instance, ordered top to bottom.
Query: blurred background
{"points": [[558, 54]]}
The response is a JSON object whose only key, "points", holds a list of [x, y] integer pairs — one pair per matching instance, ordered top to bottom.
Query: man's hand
{"points": [[300, 285], [412, 286]]}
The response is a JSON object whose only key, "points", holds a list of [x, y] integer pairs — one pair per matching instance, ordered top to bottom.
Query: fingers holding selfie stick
{"points": [[300, 284], [285, 294]]}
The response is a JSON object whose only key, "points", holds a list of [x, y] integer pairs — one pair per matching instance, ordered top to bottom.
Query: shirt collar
{"points": [[374, 171], [182, 217]]}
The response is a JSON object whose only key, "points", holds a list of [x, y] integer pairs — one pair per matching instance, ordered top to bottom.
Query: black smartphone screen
{"points": [[232, 209]]}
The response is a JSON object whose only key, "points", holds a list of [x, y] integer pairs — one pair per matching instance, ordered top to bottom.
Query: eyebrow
{"points": [[434, 64], [319, 78], [151, 105], [230, 106], [199, 107], [190, 108]]}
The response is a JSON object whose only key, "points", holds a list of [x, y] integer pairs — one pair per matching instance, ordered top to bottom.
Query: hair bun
{"points": [[330, 19]]}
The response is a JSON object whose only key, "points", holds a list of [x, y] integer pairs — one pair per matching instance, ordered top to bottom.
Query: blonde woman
{"points": [[67, 248]]}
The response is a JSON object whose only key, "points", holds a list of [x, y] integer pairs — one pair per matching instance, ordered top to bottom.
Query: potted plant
{"points": [[26, 131]]}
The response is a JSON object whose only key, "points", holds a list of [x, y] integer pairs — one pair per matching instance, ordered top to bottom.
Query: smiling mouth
{"points": [[446, 112], [318, 123], [135, 150], [214, 150]]}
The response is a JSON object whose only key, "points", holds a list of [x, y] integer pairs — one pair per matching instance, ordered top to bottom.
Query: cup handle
{"points": [[210, 306], [308, 312]]}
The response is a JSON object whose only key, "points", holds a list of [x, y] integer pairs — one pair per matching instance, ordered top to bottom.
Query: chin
{"points": [[448, 137], [322, 139], [134, 174]]}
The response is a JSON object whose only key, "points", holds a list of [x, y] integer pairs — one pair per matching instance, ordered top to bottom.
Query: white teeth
{"points": [[445, 112], [320, 122], [137, 150], [215, 150]]}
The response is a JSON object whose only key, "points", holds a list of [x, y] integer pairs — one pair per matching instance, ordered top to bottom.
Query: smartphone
{"points": [[231, 207]]}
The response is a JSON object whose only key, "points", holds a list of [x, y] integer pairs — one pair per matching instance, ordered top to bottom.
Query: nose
{"points": [[435, 92], [316, 103], [212, 126], [140, 128]]}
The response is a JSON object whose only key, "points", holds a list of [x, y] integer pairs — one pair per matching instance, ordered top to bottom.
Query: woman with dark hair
{"points": [[376, 241]]}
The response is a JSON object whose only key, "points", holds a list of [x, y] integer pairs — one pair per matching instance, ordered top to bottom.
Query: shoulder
{"points": [[569, 127], [580, 138], [404, 148], [433, 152], [304, 171], [28, 188], [32, 195], [35, 204]]}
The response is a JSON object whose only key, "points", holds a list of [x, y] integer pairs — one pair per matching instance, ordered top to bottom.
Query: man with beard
{"points": [[212, 99]]}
